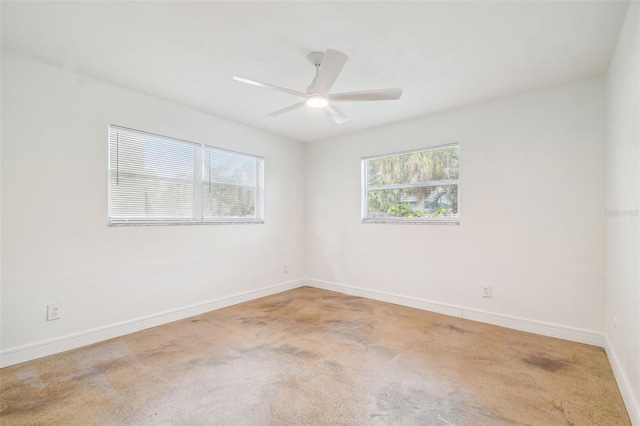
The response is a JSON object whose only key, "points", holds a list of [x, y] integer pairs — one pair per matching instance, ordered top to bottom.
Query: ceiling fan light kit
{"points": [[328, 66], [317, 101]]}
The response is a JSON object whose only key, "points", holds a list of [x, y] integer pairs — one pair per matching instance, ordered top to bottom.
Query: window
{"points": [[159, 180], [417, 186]]}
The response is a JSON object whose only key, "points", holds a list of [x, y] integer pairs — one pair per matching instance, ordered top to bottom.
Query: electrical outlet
{"points": [[285, 269], [486, 291], [53, 312]]}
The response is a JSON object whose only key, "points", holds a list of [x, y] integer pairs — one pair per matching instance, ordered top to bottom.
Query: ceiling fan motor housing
{"points": [[315, 58]]}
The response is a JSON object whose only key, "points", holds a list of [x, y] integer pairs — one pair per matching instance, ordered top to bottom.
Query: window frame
{"points": [[198, 187], [364, 189]]}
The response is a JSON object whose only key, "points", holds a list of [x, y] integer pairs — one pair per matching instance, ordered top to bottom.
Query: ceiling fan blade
{"points": [[331, 66], [268, 86], [368, 95], [287, 109], [338, 116]]}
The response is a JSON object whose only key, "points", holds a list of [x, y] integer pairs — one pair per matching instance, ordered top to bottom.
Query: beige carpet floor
{"points": [[313, 357]]}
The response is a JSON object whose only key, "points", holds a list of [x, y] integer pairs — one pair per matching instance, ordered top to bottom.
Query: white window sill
{"points": [[412, 222], [182, 223]]}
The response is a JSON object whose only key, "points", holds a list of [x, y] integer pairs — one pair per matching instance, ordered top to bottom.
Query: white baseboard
{"points": [[523, 324], [49, 347], [631, 400]]}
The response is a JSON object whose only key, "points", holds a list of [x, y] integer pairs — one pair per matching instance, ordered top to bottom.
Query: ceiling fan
{"points": [[328, 66]]}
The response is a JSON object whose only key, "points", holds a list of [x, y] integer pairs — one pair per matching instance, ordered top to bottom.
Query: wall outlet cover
{"points": [[486, 291], [53, 312]]}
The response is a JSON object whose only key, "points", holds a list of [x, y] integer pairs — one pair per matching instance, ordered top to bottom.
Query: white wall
{"points": [[623, 194], [532, 197], [532, 226], [57, 247]]}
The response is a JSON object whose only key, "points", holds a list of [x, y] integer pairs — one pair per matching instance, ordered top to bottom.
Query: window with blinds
{"points": [[160, 180], [416, 186]]}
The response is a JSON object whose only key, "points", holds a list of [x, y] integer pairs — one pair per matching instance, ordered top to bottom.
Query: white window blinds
{"points": [[156, 179], [229, 184]]}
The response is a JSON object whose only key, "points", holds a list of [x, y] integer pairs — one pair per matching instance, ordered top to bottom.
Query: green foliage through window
{"points": [[417, 186]]}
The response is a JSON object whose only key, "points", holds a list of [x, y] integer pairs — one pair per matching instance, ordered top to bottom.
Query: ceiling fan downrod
{"points": [[316, 60]]}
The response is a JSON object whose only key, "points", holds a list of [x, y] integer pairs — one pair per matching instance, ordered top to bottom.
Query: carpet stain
{"points": [[455, 328], [314, 357], [546, 362], [30, 377]]}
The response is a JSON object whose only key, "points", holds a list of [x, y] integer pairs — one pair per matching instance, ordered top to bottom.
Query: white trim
{"points": [[411, 151], [365, 189], [411, 221], [425, 305], [508, 321], [73, 341], [49, 347], [37, 350], [631, 401]]}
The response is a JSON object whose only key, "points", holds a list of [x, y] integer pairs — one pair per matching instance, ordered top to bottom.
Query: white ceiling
{"points": [[443, 54]]}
